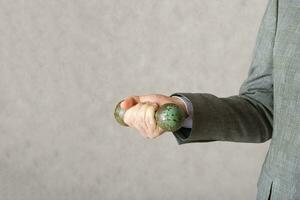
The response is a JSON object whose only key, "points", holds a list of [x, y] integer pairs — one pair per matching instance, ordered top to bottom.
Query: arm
{"points": [[248, 116]]}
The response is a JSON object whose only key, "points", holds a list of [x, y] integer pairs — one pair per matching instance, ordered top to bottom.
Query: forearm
{"points": [[235, 118]]}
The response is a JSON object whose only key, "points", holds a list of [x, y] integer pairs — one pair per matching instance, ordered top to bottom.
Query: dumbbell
{"points": [[169, 116]]}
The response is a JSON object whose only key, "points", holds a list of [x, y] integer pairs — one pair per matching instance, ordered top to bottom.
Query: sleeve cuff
{"points": [[188, 122], [191, 133]]}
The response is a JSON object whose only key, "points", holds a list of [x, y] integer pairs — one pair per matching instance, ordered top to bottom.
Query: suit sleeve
{"points": [[247, 116]]}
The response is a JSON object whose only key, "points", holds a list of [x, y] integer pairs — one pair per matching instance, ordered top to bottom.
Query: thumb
{"points": [[129, 102]]}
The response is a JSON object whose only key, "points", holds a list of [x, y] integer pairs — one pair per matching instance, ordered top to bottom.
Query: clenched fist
{"points": [[140, 112]]}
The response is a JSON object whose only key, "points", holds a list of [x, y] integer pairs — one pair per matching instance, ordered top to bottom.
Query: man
{"points": [[272, 88]]}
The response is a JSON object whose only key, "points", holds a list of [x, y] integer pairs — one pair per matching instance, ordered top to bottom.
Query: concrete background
{"points": [[65, 64]]}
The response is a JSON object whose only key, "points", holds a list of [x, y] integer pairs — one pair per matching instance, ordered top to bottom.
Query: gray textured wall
{"points": [[65, 64]]}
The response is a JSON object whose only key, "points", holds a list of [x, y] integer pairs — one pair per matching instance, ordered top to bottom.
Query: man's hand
{"points": [[140, 112]]}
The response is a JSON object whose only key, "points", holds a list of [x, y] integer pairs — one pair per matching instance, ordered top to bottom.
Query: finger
{"points": [[155, 98], [129, 102], [130, 115], [142, 115], [150, 118], [132, 119], [140, 123], [158, 131], [142, 132]]}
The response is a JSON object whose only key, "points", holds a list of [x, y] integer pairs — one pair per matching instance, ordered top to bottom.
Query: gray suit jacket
{"points": [[272, 89]]}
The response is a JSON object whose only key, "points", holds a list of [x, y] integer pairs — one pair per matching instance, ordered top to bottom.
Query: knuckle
{"points": [[127, 116], [126, 119], [155, 135], [150, 136]]}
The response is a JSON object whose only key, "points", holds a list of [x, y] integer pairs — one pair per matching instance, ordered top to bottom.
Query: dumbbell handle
{"points": [[169, 116]]}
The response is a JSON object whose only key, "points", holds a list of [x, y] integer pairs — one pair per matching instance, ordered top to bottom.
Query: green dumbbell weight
{"points": [[169, 116]]}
